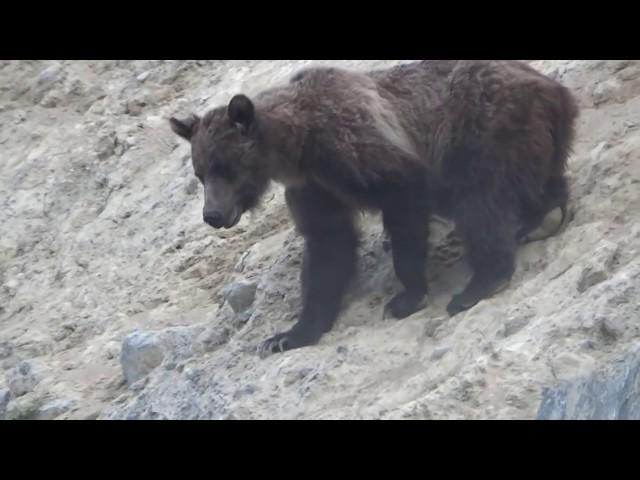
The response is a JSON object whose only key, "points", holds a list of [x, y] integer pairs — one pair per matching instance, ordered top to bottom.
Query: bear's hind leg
{"points": [[556, 195], [489, 232]]}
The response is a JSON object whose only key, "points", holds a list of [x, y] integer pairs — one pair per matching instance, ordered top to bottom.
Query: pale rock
{"points": [[143, 76], [605, 91], [240, 295], [6, 349], [143, 351], [22, 379], [610, 393], [5, 396], [54, 409]]}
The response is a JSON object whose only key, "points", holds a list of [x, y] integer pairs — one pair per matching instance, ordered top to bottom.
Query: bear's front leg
{"points": [[407, 225], [328, 266]]}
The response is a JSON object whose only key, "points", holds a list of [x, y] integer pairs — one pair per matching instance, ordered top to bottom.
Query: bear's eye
{"points": [[223, 171]]}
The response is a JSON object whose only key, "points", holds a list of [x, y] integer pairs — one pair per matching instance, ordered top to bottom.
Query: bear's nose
{"points": [[214, 219]]}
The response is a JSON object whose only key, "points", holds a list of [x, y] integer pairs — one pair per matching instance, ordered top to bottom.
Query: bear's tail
{"points": [[565, 114]]}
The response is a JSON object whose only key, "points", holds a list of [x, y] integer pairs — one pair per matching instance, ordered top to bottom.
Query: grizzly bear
{"points": [[483, 143]]}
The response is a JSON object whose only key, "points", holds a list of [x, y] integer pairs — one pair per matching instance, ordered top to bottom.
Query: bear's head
{"points": [[227, 160]]}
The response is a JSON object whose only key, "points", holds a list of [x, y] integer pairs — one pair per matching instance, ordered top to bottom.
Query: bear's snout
{"points": [[214, 219], [218, 220]]}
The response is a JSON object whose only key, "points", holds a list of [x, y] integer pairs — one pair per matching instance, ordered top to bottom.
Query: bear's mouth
{"points": [[234, 219]]}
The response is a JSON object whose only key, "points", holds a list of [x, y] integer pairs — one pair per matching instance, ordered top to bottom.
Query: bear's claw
{"points": [[276, 344]]}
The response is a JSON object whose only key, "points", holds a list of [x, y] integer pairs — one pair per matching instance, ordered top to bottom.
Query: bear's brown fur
{"points": [[484, 143]]}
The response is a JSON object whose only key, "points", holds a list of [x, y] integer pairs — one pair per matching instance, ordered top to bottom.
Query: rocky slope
{"points": [[117, 302]]}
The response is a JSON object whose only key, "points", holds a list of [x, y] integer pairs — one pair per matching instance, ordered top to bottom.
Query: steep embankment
{"points": [[102, 236]]}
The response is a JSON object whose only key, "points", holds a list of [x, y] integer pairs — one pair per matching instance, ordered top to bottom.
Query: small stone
{"points": [[49, 75], [143, 76], [76, 87], [605, 91], [96, 92], [50, 100], [134, 107], [97, 108], [106, 147], [119, 149], [589, 278], [240, 295], [242, 318], [432, 325], [514, 325], [611, 328], [64, 331], [60, 335], [211, 339], [588, 345], [341, 349], [6, 350], [112, 350], [141, 353], [438, 353], [567, 364], [69, 366], [193, 374], [296, 376], [22, 379], [139, 385], [249, 389], [246, 390], [5, 396], [516, 401], [22, 409], [54, 409], [92, 416]]}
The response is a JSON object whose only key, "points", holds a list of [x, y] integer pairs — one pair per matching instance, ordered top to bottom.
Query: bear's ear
{"points": [[241, 111], [185, 128]]}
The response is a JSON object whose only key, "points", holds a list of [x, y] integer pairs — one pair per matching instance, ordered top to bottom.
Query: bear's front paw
{"points": [[460, 303], [290, 340], [276, 344]]}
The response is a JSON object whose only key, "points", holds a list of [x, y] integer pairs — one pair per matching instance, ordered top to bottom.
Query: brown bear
{"points": [[484, 143]]}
